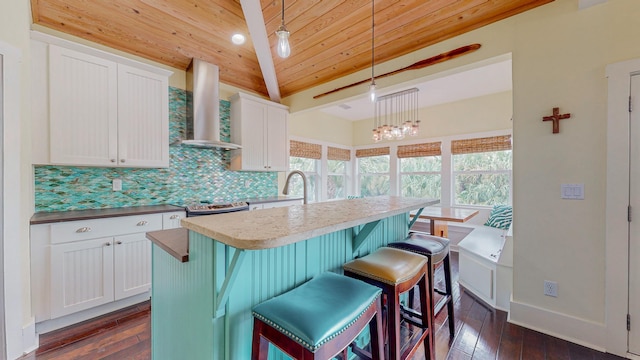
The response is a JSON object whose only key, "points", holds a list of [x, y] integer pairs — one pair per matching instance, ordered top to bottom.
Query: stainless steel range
{"points": [[219, 208]]}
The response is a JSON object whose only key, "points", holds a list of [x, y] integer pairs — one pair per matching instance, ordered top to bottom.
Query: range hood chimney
{"points": [[203, 107]]}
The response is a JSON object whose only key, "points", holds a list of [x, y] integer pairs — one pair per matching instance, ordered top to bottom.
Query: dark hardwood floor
{"points": [[481, 333]]}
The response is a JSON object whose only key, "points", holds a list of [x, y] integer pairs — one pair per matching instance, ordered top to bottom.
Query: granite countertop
{"points": [[73, 215], [281, 226]]}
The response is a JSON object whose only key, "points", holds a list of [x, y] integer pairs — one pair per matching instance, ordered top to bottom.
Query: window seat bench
{"points": [[485, 258], [486, 265]]}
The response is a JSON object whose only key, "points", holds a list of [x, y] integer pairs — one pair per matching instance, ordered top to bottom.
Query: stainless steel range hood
{"points": [[203, 107]]}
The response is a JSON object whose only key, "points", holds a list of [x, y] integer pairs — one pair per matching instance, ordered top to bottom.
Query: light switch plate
{"points": [[572, 191]]}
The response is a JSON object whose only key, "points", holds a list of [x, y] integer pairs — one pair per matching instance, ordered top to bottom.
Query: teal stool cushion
{"points": [[318, 310]]}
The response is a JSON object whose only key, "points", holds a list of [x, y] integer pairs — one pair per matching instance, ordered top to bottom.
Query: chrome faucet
{"points": [[285, 191]]}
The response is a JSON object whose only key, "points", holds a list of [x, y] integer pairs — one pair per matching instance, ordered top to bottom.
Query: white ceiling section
{"points": [[255, 21], [480, 81]]}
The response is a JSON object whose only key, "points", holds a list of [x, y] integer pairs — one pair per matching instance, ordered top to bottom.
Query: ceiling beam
{"points": [[255, 22]]}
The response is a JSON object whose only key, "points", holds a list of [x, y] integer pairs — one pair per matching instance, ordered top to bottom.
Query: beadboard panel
{"points": [[179, 289]]}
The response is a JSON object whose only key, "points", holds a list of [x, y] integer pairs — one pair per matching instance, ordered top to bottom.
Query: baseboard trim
{"points": [[71, 319], [576, 330], [30, 340]]}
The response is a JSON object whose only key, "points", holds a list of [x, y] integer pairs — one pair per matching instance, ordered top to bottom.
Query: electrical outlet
{"points": [[117, 184], [551, 288]]}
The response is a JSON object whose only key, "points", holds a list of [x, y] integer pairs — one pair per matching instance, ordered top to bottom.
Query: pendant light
{"points": [[283, 48], [372, 87]]}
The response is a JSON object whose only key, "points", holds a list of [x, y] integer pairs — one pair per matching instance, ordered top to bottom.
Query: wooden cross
{"points": [[556, 117]]}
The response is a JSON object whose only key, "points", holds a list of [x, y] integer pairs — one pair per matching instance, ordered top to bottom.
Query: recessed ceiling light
{"points": [[237, 39]]}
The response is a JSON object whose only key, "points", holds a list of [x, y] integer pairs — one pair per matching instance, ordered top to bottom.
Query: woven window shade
{"points": [[468, 146], [305, 150], [418, 150], [372, 152], [334, 153]]}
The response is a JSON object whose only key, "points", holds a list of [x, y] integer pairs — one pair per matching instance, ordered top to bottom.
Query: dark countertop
{"points": [[269, 199], [73, 215], [173, 241]]}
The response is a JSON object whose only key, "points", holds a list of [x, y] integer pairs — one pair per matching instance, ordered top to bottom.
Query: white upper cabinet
{"points": [[103, 110], [143, 118], [260, 127]]}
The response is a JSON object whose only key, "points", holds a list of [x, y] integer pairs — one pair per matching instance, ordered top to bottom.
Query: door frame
{"points": [[617, 201], [11, 260]]}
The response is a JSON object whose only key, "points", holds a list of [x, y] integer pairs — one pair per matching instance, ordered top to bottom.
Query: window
{"points": [[305, 157], [337, 164], [310, 169], [420, 170], [373, 171], [482, 171], [336, 179]]}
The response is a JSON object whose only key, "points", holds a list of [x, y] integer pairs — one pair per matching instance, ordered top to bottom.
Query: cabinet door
{"points": [[83, 108], [143, 118], [254, 130], [277, 140], [132, 267], [81, 275]]}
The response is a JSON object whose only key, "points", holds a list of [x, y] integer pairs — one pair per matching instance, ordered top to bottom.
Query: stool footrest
{"points": [[441, 304], [412, 316], [414, 335], [361, 353]]}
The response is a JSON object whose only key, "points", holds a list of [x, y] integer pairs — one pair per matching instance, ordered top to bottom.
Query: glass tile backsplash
{"points": [[193, 175]]}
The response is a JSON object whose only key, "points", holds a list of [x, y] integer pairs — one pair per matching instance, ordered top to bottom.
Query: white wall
{"points": [[14, 32], [559, 57], [476, 115], [318, 125]]}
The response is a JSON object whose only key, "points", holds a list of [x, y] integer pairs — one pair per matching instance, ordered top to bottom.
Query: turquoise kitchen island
{"points": [[201, 307]]}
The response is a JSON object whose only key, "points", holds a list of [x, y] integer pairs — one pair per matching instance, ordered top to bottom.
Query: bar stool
{"points": [[436, 249], [395, 272], [319, 319]]}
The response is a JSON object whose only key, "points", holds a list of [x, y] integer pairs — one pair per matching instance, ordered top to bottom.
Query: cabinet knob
{"points": [[113, 160], [122, 160], [173, 217], [142, 223], [83, 229], [118, 242], [107, 244]]}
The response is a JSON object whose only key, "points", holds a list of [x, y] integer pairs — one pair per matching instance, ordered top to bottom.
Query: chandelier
{"points": [[396, 115]]}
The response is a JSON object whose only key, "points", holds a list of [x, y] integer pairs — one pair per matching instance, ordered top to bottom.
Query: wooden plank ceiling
{"points": [[329, 38]]}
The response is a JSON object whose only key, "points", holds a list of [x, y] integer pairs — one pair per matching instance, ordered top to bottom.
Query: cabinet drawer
{"points": [[172, 220], [90, 229]]}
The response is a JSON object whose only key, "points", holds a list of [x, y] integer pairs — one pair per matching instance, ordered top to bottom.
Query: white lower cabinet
{"points": [[82, 269], [132, 270], [81, 275]]}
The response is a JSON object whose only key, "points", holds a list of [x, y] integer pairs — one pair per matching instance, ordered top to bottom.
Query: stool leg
{"points": [[430, 281], [449, 290], [426, 293], [393, 323], [377, 333], [259, 347]]}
